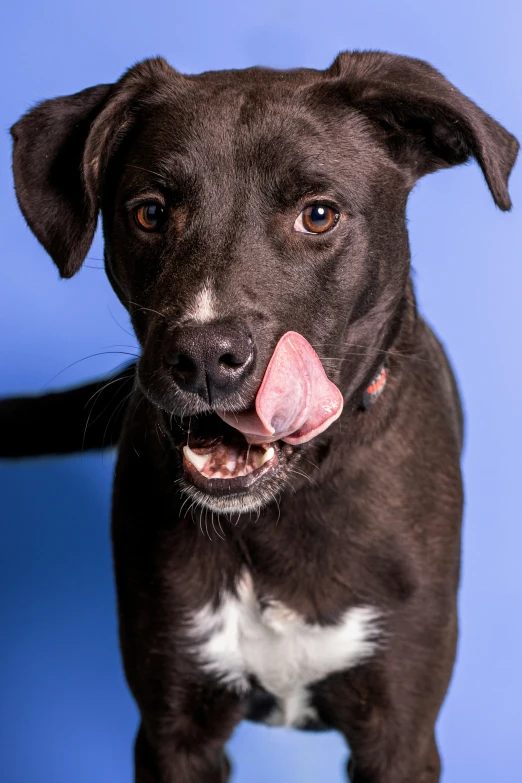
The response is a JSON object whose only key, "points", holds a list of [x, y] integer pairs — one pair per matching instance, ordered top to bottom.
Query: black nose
{"points": [[211, 360]]}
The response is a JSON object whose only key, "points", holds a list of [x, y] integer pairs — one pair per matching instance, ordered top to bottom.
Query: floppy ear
{"points": [[426, 122], [49, 142], [60, 151]]}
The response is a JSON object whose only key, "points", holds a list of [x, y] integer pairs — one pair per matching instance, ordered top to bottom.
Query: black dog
{"points": [[318, 586]]}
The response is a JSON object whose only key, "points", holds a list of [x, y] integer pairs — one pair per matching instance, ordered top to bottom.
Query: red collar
{"points": [[376, 388]]}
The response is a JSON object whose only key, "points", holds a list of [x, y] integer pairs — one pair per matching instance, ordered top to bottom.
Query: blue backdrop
{"points": [[65, 711]]}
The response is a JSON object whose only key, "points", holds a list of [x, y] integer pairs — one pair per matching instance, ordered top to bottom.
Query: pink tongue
{"points": [[295, 401]]}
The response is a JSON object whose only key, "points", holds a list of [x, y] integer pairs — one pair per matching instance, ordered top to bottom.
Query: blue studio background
{"points": [[65, 711]]}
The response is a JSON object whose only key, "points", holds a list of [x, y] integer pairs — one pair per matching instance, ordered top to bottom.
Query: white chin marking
{"points": [[203, 309], [243, 638]]}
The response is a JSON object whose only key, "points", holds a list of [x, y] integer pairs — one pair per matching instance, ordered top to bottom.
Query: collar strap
{"points": [[375, 389]]}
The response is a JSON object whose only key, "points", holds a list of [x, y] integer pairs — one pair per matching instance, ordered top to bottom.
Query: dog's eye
{"points": [[150, 216], [316, 219]]}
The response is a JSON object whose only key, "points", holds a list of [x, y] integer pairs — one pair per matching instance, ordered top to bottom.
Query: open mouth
{"points": [[221, 461], [225, 464], [225, 473]]}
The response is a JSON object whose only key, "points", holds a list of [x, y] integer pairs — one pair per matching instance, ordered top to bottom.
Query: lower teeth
{"points": [[230, 465]]}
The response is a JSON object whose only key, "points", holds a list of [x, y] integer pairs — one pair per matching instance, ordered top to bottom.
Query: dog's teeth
{"points": [[269, 453], [198, 460], [235, 465]]}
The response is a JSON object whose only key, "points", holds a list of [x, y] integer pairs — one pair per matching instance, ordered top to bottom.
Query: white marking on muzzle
{"points": [[203, 309]]}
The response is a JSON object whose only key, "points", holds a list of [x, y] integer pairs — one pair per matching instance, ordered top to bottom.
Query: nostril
{"points": [[231, 360], [182, 363]]}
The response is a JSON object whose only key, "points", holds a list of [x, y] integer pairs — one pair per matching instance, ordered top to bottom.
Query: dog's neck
{"points": [[398, 340], [396, 352]]}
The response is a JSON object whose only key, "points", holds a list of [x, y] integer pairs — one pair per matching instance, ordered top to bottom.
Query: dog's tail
{"points": [[79, 419]]}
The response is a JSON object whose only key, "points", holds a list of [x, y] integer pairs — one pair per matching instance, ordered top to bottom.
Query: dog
{"points": [[288, 498]]}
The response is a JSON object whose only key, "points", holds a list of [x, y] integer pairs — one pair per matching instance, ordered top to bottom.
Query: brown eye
{"points": [[150, 216], [316, 219]]}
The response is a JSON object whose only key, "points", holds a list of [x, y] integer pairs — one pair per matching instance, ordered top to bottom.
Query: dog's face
{"points": [[241, 205], [244, 208], [238, 211]]}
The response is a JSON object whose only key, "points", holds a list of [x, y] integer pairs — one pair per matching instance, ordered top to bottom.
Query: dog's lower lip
{"points": [[224, 486]]}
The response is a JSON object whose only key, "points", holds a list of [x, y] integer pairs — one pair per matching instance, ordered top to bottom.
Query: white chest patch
{"points": [[286, 654]]}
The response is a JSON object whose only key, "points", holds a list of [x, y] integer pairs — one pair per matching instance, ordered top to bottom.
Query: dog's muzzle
{"points": [[239, 454]]}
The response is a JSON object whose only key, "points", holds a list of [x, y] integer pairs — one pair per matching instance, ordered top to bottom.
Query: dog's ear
{"points": [[427, 124], [60, 151]]}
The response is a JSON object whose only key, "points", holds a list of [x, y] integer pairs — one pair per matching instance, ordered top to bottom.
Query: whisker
{"points": [[148, 171], [148, 309], [118, 324], [124, 345], [371, 351], [91, 356], [109, 383], [114, 414], [90, 422], [311, 463], [300, 473], [289, 483], [274, 498], [187, 499], [190, 511], [206, 523], [219, 523]]}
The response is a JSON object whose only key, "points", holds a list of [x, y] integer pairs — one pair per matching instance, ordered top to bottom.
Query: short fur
{"points": [[368, 514]]}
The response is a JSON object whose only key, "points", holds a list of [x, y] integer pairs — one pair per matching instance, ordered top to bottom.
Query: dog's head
{"points": [[240, 205]]}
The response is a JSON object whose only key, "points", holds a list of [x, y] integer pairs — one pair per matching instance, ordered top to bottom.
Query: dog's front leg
{"points": [[165, 572], [387, 709], [186, 716], [390, 742], [172, 757], [429, 772]]}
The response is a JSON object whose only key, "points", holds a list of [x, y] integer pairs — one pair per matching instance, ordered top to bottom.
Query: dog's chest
{"points": [[242, 638]]}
